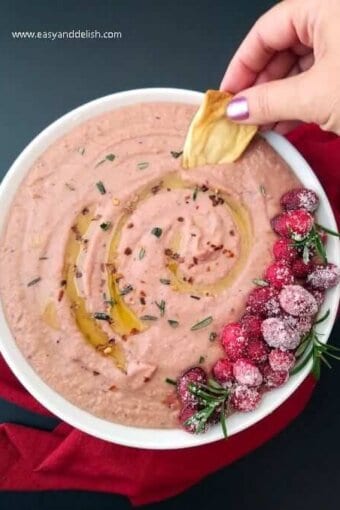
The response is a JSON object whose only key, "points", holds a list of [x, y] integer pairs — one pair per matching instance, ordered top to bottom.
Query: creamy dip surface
{"points": [[118, 268]]}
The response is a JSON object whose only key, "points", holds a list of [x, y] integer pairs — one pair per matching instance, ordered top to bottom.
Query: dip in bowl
{"points": [[119, 268]]}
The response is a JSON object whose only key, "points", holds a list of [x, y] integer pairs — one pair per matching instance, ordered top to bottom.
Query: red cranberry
{"points": [[300, 198], [293, 224], [284, 250], [300, 269], [279, 274], [324, 277], [297, 301], [251, 326], [279, 334], [233, 341], [257, 351], [281, 360], [223, 371], [246, 372], [193, 375], [274, 378], [245, 399]]}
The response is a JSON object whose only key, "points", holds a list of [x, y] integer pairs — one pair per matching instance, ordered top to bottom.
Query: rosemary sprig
{"points": [[328, 230], [313, 243], [161, 306], [202, 324], [311, 348], [213, 399]]}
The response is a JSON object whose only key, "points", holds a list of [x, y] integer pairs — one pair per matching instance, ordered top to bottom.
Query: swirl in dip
{"points": [[118, 268]]}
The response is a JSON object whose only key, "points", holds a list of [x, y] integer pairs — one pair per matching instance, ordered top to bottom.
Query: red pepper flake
{"points": [[157, 188], [204, 188], [216, 200], [85, 211], [180, 219], [129, 225], [232, 232], [128, 251], [195, 259], [208, 269], [78, 274], [191, 280], [60, 295], [142, 300], [134, 331], [124, 338], [95, 372], [147, 379], [112, 388]]}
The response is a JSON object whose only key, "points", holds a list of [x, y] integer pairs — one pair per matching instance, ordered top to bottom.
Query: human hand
{"points": [[287, 69]]}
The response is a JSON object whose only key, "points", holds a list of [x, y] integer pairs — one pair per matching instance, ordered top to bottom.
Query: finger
{"points": [[276, 30], [278, 67], [286, 99], [285, 127]]}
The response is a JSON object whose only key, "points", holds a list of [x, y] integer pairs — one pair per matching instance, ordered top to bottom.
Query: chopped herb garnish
{"points": [[81, 150], [176, 154], [108, 157], [143, 165], [69, 186], [101, 187], [263, 190], [194, 195], [106, 225], [156, 231], [141, 254], [43, 258], [34, 281], [164, 281], [260, 283], [126, 290], [195, 297], [110, 302], [161, 306], [101, 316], [148, 318], [173, 323], [202, 324], [212, 336], [201, 360], [170, 381]]}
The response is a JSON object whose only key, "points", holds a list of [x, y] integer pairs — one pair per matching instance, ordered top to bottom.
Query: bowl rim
{"points": [[56, 403]]}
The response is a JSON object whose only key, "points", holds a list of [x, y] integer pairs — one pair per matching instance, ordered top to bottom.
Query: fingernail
{"points": [[237, 109]]}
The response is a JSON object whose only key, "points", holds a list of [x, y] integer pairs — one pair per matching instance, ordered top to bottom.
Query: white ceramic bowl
{"points": [[132, 436]]}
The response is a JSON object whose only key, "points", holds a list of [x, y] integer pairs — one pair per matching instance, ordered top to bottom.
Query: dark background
{"points": [[177, 43]]}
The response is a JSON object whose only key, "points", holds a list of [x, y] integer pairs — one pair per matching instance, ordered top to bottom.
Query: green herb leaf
{"points": [[81, 150], [175, 154], [110, 157], [143, 165], [101, 187], [263, 190], [194, 195], [106, 225], [156, 231], [329, 231], [141, 254], [34, 281], [164, 281], [260, 283], [126, 290], [195, 297], [161, 306], [101, 316], [148, 318], [323, 318], [173, 323], [202, 324], [212, 336], [201, 360], [170, 381], [223, 421]]}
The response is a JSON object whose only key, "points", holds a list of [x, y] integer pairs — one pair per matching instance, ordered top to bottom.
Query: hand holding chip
{"points": [[287, 69]]}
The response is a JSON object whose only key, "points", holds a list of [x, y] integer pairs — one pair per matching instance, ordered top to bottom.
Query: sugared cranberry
{"points": [[300, 198], [293, 224], [284, 250], [300, 269], [279, 274], [324, 277], [318, 294], [258, 299], [297, 301], [302, 324], [251, 326], [279, 334], [233, 341], [257, 351], [281, 360], [223, 371], [246, 372], [193, 375], [274, 378], [245, 399], [185, 414]]}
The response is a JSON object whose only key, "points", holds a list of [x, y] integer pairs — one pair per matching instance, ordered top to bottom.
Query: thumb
{"points": [[286, 99]]}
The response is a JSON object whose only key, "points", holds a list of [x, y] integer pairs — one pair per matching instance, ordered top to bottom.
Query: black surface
{"points": [[185, 44]]}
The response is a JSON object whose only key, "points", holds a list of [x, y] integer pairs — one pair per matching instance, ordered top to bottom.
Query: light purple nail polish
{"points": [[237, 109]]}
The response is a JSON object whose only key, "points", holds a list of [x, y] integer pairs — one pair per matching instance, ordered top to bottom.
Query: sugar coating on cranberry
{"points": [[300, 198], [293, 224], [284, 250], [300, 269], [279, 274], [324, 277], [318, 294], [258, 298], [297, 301], [302, 324], [251, 326], [279, 334], [233, 341], [257, 351], [281, 360], [223, 371], [246, 372], [193, 375], [274, 378], [245, 399], [185, 414]]}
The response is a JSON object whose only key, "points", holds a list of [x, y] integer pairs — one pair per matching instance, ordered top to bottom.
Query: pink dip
{"points": [[213, 238]]}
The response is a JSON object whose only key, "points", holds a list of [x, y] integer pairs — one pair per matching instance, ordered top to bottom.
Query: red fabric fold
{"points": [[65, 458]]}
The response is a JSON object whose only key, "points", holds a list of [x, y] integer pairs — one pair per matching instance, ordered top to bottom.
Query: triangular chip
{"points": [[212, 137]]}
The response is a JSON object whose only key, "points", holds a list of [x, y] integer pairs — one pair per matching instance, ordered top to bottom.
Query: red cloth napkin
{"points": [[31, 459]]}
